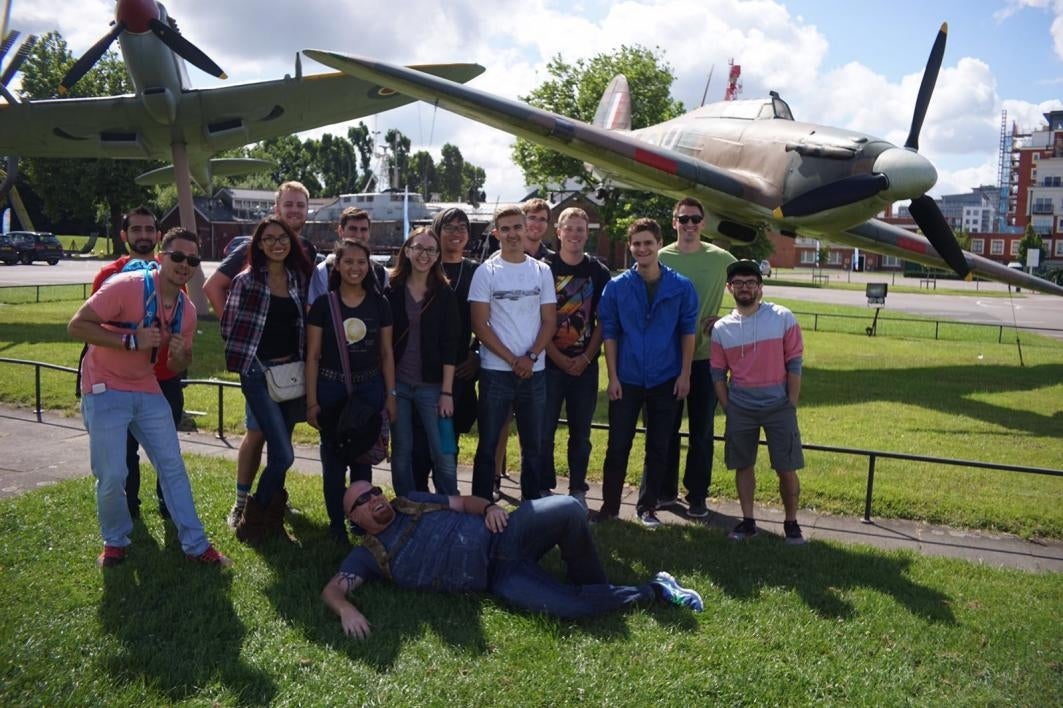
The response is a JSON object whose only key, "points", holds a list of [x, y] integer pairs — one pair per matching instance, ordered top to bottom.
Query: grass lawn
{"points": [[964, 399], [823, 623]]}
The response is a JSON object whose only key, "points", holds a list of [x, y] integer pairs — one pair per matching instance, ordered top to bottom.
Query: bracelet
{"points": [[129, 342], [587, 358], [446, 393], [313, 405]]}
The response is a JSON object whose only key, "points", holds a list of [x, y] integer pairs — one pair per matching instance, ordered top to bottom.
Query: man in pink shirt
{"points": [[126, 323], [760, 345]]}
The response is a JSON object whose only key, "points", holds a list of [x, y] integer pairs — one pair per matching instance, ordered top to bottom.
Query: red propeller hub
{"points": [[136, 14]]}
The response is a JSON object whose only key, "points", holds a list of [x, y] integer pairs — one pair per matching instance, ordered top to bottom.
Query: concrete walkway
{"points": [[36, 454]]}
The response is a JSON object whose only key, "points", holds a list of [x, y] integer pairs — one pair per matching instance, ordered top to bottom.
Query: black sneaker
{"points": [[698, 510], [747, 528], [793, 533]]}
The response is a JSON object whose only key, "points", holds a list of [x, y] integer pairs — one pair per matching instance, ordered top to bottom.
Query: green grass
{"points": [[959, 399], [823, 624]]}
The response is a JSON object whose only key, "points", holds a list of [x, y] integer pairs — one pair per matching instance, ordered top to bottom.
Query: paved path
{"points": [[35, 454]]}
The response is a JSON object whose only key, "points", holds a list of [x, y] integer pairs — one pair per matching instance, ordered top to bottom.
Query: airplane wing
{"points": [[207, 120], [643, 165], [647, 166], [890, 240]]}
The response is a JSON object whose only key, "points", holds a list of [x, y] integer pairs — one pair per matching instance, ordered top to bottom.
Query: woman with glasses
{"points": [[365, 318], [263, 325], [427, 326]]}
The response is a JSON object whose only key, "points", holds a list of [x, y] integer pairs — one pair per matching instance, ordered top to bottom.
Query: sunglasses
{"points": [[688, 218], [179, 257], [364, 498]]}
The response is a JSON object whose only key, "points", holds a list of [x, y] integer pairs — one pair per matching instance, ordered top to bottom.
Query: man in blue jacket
{"points": [[649, 318]]}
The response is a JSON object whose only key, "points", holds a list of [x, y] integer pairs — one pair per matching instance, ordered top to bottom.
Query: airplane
{"points": [[168, 120], [748, 161]]}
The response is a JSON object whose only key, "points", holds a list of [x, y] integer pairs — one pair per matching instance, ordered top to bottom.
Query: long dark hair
{"points": [[296, 259], [402, 268], [369, 283]]}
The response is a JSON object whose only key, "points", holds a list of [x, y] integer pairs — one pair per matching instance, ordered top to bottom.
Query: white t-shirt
{"points": [[515, 293]]}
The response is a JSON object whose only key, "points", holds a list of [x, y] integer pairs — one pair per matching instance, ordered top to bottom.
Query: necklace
{"points": [[457, 281]]}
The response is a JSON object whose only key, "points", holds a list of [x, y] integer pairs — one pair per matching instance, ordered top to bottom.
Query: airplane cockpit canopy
{"points": [[748, 109]]}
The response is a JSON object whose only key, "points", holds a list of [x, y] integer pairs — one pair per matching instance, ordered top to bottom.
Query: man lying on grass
{"points": [[462, 544]]}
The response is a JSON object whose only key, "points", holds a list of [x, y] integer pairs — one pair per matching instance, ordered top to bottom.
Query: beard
{"points": [[142, 247]]}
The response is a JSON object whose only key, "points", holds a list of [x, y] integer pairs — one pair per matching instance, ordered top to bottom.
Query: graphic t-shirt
{"points": [[578, 289], [515, 293], [121, 299], [361, 329]]}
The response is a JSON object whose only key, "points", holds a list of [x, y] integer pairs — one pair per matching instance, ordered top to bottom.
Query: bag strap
{"points": [[341, 348], [406, 507]]}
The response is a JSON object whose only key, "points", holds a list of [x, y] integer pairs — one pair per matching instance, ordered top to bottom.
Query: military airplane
{"points": [[167, 120], [750, 163]]}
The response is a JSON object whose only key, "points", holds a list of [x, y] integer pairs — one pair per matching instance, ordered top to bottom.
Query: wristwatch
{"points": [[532, 355]]}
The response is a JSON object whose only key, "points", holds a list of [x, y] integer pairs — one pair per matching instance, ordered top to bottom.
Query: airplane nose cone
{"points": [[135, 14], [910, 174]]}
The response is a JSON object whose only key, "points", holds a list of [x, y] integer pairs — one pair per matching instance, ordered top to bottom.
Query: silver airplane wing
{"points": [[207, 120], [648, 166]]}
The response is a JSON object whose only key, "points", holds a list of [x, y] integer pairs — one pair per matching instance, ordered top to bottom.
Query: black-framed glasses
{"points": [[688, 218], [455, 228], [271, 240], [418, 251], [179, 257], [745, 283], [364, 498]]}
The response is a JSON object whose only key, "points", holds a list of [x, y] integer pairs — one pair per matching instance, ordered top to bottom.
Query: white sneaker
{"points": [[649, 519]]}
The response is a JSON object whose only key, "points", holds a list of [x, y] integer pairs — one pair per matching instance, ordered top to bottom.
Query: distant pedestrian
{"points": [[760, 346]]}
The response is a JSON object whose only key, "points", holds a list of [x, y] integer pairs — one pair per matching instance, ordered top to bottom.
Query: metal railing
{"points": [[872, 455]]}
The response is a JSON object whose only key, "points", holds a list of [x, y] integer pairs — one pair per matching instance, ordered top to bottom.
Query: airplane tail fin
{"points": [[614, 110]]}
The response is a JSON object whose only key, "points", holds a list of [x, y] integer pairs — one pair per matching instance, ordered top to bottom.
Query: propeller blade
{"points": [[8, 42], [185, 49], [89, 58], [16, 61], [926, 89], [836, 194], [932, 223]]}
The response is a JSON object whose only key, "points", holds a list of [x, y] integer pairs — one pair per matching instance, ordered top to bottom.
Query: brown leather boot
{"points": [[273, 520], [251, 528]]}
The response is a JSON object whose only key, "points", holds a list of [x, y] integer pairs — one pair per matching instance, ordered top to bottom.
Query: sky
{"points": [[853, 64]]}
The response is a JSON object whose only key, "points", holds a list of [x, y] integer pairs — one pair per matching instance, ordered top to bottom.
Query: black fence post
{"points": [[37, 394], [221, 411], [870, 487]]}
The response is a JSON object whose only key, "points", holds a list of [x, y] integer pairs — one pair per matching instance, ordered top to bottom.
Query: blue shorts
{"points": [[780, 428]]}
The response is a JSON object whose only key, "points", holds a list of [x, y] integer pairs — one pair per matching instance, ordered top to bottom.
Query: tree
{"points": [[574, 90], [362, 141], [293, 159], [398, 159], [337, 161], [449, 173], [423, 174], [472, 182], [80, 191], [1031, 239], [757, 250]]}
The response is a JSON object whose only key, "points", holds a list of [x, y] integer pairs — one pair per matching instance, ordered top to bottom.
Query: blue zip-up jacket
{"points": [[649, 349]]}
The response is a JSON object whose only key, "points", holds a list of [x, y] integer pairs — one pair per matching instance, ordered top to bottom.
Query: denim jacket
{"points": [[649, 348]]}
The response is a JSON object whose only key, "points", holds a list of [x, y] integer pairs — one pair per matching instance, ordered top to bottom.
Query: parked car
{"points": [[33, 246], [8, 252], [765, 268]]}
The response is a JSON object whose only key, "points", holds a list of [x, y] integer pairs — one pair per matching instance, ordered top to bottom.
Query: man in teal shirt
{"points": [[706, 266]]}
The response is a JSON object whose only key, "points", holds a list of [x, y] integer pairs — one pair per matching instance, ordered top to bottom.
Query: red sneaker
{"points": [[111, 556], [211, 556]]}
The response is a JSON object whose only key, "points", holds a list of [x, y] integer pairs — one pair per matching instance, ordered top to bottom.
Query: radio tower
{"points": [[734, 86]]}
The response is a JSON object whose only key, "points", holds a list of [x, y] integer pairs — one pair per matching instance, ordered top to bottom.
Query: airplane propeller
{"points": [[167, 34]]}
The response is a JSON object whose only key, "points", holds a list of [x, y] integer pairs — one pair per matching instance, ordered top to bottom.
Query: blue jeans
{"points": [[501, 391], [174, 392], [580, 396], [425, 398], [660, 405], [701, 407], [108, 416], [276, 421], [333, 468], [535, 528]]}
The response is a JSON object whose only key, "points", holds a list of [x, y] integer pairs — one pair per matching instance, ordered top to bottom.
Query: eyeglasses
{"points": [[689, 218], [455, 228], [274, 240], [418, 251], [179, 257], [744, 283], [364, 498]]}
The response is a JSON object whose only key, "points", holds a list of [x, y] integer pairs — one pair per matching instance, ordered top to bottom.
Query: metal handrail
{"points": [[872, 455]]}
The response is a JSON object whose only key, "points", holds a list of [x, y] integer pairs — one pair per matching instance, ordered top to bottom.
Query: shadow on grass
{"points": [[19, 333], [951, 392], [820, 573], [176, 639]]}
